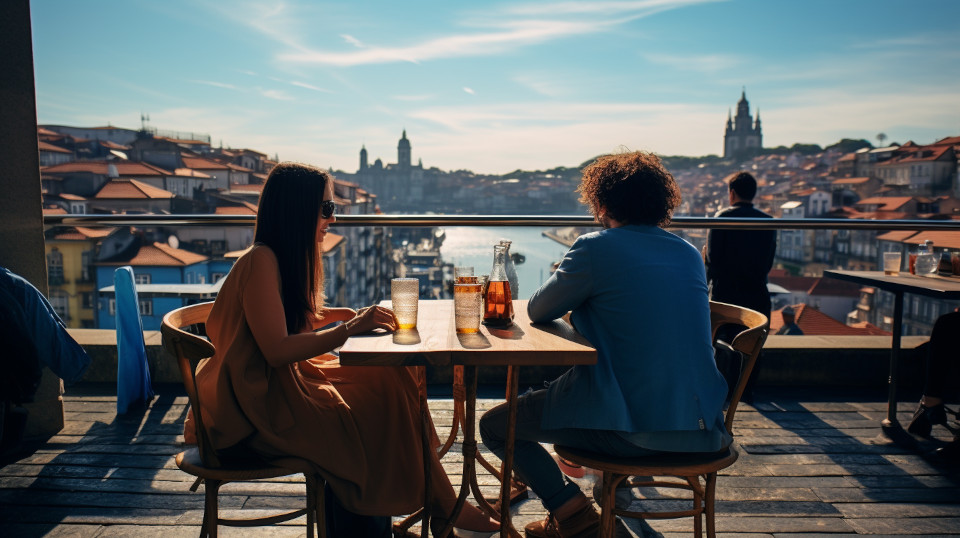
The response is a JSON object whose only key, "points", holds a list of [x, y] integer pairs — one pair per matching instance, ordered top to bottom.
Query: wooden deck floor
{"points": [[806, 468]]}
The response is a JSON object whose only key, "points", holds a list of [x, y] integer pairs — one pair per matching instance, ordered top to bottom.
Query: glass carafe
{"points": [[926, 263], [511, 270], [498, 301]]}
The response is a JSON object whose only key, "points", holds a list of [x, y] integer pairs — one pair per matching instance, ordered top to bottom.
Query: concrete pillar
{"points": [[21, 215]]}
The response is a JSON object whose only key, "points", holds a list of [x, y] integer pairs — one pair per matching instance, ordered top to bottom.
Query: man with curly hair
{"points": [[639, 294]]}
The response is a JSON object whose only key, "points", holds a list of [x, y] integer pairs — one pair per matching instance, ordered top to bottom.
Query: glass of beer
{"points": [[891, 263], [404, 294], [467, 306]]}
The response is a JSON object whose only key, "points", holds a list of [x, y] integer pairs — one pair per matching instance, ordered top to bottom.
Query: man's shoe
{"points": [[925, 417], [949, 453], [585, 523]]}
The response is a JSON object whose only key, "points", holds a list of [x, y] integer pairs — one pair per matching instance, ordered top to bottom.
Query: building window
{"points": [[86, 265], [55, 267], [141, 278], [86, 300], [60, 302], [145, 306], [112, 307]]}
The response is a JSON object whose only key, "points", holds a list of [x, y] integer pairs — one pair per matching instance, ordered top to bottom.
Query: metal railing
{"points": [[507, 220]]}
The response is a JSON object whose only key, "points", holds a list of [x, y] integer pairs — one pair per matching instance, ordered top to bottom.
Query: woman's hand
{"points": [[370, 318]]}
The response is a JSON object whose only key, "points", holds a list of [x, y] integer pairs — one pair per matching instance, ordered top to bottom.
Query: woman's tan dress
{"points": [[360, 425]]}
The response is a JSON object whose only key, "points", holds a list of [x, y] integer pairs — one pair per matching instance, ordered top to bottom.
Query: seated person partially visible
{"points": [[638, 293]]}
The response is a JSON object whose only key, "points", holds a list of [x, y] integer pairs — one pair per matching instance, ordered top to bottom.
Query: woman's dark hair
{"points": [[634, 188], [287, 223]]}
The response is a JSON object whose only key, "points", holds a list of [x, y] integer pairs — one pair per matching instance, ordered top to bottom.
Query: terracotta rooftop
{"points": [[949, 141], [113, 145], [44, 146], [199, 163], [124, 168], [238, 168], [187, 172], [850, 180], [252, 187], [130, 189], [68, 196], [885, 203], [234, 210], [54, 211], [80, 233], [895, 235], [161, 254], [815, 322]]}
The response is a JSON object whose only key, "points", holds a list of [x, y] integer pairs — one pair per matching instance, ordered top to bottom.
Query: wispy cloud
{"points": [[605, 8], [512, 34], [352, 40], [704, 63], [216, 84], [309, 86], [469, 90], [278, 95], [420, 97]]}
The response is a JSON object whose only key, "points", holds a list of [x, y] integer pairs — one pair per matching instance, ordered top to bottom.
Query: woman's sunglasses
{"points": [[327, 208]]}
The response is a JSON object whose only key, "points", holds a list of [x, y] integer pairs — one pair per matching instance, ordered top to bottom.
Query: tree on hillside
{"points": [[849, 145]]}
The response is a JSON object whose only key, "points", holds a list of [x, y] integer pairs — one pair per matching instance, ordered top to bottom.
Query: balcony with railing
{"points": [[813, 457]]}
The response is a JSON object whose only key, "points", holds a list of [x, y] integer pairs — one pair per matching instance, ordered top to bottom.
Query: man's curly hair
{"points": [[634, 188]]}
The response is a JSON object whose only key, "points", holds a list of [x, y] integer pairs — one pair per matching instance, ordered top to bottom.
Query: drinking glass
{"points": [[891, 263], [464, 275], [404, 294], [468, 307]]}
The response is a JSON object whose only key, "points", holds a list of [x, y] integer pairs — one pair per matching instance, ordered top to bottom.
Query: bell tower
{"points": [[403, 152]]}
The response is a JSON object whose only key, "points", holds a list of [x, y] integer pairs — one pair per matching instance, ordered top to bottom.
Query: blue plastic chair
{"points": [[133, 374]]}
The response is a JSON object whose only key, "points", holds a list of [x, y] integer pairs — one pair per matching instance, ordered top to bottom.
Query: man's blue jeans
{"points": [[532, 463]]}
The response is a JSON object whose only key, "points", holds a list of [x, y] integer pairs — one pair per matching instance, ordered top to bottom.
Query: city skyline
{"points": [[529, 85]]}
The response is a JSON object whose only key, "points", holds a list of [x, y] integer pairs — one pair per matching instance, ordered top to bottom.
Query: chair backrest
{"points": [[749, 342], [189, 349]]}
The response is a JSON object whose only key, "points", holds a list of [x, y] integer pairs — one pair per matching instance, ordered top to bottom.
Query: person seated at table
{"points": [[639, 295], [944, 343], [273, 390]]}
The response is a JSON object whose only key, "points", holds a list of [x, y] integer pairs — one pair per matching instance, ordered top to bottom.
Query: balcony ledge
{"points": [[829, 361]]}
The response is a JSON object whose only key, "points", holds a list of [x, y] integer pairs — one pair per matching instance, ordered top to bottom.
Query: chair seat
{"points": [[189, 462], [667, 464]]}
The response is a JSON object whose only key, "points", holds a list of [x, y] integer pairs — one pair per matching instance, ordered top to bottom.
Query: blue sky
{"points": [[496, 86]]}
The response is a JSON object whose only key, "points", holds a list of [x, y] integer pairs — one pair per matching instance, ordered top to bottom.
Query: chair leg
{"points": [[311, 503], [697, 505], [321, 507], [708, 508], [211, 509], [607, 518]]}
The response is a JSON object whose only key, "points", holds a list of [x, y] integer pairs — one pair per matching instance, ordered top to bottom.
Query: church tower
{"points": [[743, 137], [403, 152], [363, 158]]}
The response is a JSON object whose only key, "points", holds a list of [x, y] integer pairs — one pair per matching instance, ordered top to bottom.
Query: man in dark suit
{"points": [[738, 262]]}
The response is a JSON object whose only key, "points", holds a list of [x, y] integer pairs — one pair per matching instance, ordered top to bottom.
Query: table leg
{"points": [[459, 397], [891, 420], [506, 470]]}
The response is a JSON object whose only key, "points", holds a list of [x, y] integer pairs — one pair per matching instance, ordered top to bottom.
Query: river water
{"points": [[473, 246]]}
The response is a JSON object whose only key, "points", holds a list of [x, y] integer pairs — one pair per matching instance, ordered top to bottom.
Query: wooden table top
{"points": [[931, 286], [435, 341]]}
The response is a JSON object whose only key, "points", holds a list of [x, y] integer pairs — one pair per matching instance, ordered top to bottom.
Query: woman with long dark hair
{"points": [[274, 389]]}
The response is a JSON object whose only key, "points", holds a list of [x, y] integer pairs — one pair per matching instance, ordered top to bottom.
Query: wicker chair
{"points": [[202, 461]]}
